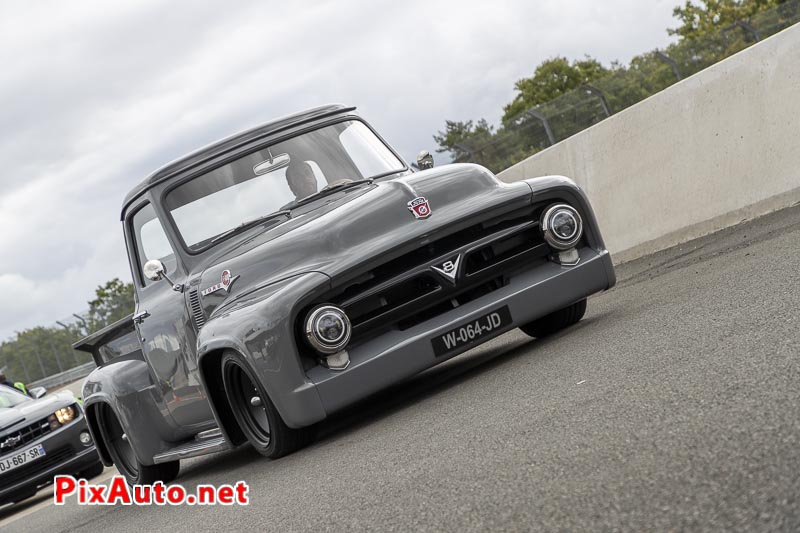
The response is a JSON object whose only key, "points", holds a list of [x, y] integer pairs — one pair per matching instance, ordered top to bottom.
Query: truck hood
{"points": [[353, 228], [31, 411]]}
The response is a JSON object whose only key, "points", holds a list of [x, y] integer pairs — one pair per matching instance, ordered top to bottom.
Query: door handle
{"points": [[138, 318]]}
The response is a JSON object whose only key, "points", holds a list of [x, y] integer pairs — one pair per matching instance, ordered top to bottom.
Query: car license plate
{"points": [[472, 332], [11, 462]]}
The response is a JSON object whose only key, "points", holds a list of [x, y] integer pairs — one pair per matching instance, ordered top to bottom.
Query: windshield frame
{"points": [[239, 153]]}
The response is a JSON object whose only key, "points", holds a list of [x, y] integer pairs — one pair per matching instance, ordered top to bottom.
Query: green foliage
{"points": [[712, 16], [551, 79], [569, 95], [113, 302], [43, 351], [40, 352]]}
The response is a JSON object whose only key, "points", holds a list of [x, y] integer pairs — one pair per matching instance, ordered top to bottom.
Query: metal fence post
{"points": [[746, 26], [669, 61], [598, 93], [541, 118], [55, 353], [74, 355], [39, 358], [24, 368]]}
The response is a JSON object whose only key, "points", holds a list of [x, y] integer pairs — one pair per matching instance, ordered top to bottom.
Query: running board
{"points": [[194, 448]]}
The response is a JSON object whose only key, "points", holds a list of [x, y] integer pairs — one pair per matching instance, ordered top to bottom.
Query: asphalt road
{"points": [[674, 405]]}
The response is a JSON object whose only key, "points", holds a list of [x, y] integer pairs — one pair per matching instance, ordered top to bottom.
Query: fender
{"points": [[563, 188], [260, 327], [126, 386]]}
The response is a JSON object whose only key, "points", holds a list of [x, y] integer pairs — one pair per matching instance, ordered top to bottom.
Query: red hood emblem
{"points": [[419, 207], [225, 283]]}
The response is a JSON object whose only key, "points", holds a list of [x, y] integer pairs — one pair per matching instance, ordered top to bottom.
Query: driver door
{"points": [[162, 320]]}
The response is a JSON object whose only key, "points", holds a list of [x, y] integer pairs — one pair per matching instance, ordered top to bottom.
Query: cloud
{"points": [[97, 95]]}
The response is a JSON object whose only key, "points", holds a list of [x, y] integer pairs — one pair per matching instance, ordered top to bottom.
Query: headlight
{"points": [[562, 226], [328, 329], [65, 414]]}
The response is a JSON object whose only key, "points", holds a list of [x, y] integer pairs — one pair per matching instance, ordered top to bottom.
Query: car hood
{"points": [[355, 227], [33, 410]]}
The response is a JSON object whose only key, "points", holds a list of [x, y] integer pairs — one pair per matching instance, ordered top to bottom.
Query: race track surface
{"points": [[675, 404]]}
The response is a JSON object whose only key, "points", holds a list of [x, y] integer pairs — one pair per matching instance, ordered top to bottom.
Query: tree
{"points": [[712, 16], [551, 79], [459, 138], [114, 301]]}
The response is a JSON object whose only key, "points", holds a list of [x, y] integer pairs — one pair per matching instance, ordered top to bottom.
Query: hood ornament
{"points": [[419, 207], [449, 269], [225, 283]]}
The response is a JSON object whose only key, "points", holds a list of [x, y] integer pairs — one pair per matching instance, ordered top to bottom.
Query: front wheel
{"points": [[555, 321], [256, 414], [125, 459]]}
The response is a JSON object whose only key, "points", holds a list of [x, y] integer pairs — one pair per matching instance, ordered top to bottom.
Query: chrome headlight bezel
{"points": [[554, 239], [315, 337]]}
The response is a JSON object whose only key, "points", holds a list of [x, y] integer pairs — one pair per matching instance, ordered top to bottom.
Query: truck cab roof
{"points": [[230, 143]]}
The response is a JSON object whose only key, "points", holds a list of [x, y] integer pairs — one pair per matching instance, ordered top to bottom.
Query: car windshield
{"points": [[262, 182], [10, 397]]}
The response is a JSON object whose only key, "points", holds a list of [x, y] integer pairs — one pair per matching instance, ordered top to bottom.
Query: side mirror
{"points": [[424, 160], [154, 270], [37, 392]]}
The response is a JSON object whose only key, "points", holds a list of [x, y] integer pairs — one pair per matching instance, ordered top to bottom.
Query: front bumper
{"points": [[397, 355], [64, 454]]}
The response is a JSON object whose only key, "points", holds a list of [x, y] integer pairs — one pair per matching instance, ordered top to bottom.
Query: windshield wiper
{"points": [[325, 191], [250, 223]]}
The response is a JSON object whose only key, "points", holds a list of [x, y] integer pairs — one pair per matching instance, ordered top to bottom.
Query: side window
{"points": [[151, 241]]}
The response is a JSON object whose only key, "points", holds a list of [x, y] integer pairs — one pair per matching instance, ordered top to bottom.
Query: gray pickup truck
{"points": [[293, 269]]}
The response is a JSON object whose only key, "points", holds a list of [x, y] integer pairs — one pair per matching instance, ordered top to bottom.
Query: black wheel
{"points": [[556, 320], [256, 414], [125, 460], [92, 472]]}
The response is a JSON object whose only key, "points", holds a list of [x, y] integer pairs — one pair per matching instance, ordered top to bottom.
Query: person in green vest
{"points": [[18, 385], [21, 386]]}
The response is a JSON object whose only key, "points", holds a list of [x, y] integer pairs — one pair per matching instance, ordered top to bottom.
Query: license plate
{"points": [[472, 332], [11, 462]]}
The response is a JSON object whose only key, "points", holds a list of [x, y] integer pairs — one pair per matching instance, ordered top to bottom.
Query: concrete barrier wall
{"points": [[717, 148]]}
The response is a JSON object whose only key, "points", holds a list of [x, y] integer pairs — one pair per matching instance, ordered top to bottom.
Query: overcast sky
{"points": [[95, 95]]}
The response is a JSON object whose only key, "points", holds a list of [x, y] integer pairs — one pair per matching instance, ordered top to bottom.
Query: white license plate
{"points": [[11, 462]]}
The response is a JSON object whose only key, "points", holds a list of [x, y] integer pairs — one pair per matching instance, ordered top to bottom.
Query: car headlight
{"points": [[562, 226], [328, 329], [65, 414]]}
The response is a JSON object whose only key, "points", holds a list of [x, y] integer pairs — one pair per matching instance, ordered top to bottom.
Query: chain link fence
{"points": [[544, 125]]}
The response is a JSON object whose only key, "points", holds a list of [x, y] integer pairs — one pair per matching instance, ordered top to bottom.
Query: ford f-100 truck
{"points": [[293, 269]]}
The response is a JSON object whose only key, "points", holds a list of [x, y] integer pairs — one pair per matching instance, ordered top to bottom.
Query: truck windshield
{"points": [[262, 182]]}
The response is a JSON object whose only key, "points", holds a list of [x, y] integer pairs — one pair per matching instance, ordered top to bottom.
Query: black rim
{"points": [[248, 402], [116, 439]]}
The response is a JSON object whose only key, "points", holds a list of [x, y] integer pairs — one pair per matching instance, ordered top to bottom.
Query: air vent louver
{"points": [[197, 309]]}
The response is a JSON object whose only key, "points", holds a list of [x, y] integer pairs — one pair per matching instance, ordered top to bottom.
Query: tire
{"points": [[555, 321], [260, 421], [125, 459], [92, 472]]}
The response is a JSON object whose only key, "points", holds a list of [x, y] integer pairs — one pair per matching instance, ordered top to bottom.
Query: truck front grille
{"points": [[407, 290]]}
